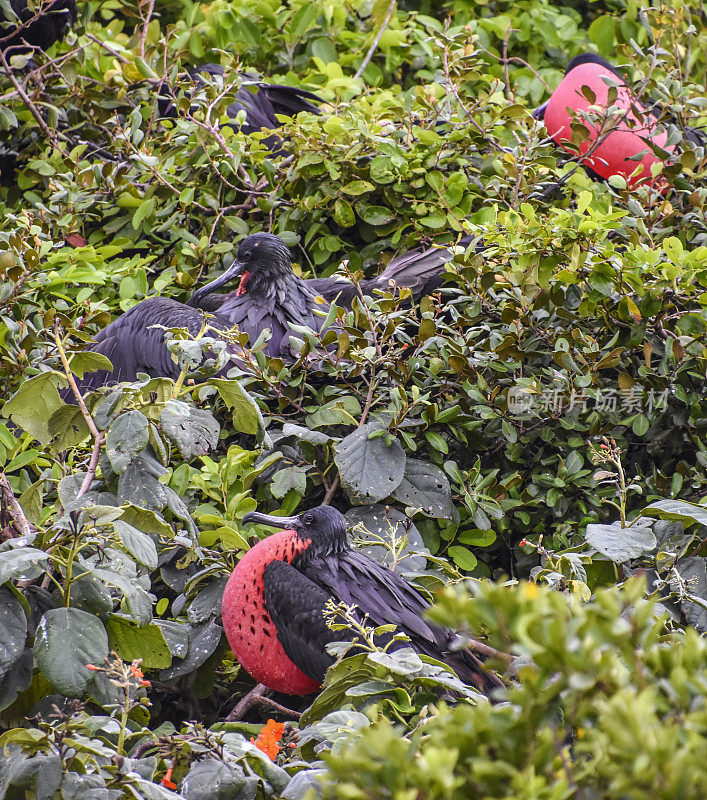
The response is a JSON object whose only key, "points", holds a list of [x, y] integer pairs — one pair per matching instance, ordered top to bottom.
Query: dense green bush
{"points": [[535, 415]]}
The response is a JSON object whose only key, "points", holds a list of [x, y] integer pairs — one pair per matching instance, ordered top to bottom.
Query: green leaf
{"points": [[303, 19], [602, 33], [143, 211], [87, 361], [33, 404], [246, 414], [194, 431], [126, 437], [370, 469], [286, 479], [426, 487], [687, 513], [137, 543], [621, 544], [463, 557], [22, 563], [13, 630], [67, 640], [203, 640], [131, 642], [210, 779]]}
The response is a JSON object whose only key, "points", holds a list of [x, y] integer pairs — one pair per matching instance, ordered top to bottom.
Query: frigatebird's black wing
{"points": [[134, 344], [380, 592], [389, 600], [296, 605]]}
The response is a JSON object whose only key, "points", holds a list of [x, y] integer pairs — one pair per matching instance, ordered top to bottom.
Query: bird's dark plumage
{"points": [[40, 26], [261, 102], [269, 297], [274, 297], [133, 345], [323, 566]]}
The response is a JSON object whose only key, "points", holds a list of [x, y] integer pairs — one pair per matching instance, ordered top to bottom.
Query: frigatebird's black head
{"points": [[262, 260], [324, 526]]}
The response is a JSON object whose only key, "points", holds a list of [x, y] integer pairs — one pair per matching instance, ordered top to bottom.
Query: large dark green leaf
{"points": [[194, 431], [126, 437], [370, 469], [426, 487], [687, 513], [399, 538], [137, 543], [621, 544], [22, 562], [13, 630], [67, 640], [209, 779]]}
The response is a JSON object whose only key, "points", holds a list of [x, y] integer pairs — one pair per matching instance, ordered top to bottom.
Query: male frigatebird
{"points": [[40, 26], [261, 107], [620, 142], [269, 296], [273, 604]]}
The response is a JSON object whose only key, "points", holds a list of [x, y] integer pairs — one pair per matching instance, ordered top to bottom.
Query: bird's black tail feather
{"points": [[418, 270]]}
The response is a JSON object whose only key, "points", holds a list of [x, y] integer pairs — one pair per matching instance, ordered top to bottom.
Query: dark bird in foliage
{"points": [[39, 26], [262, 103], [617, 144], [269, 296], [273, 605]]}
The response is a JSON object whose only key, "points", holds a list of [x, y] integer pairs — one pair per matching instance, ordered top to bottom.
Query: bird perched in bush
{"points": [[40, 24], [261, 103], [594, 114], [269, 296], [274, 604]]}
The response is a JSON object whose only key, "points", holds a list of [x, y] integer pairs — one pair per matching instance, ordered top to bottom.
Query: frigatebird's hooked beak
{"points": [[539, 112], [237, 268], [274, 522]]}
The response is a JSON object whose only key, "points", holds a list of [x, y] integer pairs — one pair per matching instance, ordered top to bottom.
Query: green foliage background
{"points": [[583, 290]]}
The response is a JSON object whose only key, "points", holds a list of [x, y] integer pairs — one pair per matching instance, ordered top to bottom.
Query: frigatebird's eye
{"points": [[247, 254], [308, 519]]}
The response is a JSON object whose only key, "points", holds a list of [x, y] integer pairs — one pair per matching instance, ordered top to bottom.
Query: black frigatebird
{"points": [[39, 26], [261, 107], [620, 144], [269, 296], [273, 604]]}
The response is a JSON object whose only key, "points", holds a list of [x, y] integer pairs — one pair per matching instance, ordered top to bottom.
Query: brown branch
{"points": [[146, 23], [374, 44], [51, 135], [72, 383], [92, 464], [14, 507]]}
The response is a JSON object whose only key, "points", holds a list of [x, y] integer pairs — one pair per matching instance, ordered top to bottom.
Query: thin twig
{"points": [[374, 44], [30, 105], [72, 383], [92, 464], [13, 506]]}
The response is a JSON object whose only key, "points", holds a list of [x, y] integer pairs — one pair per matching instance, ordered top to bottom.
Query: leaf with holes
{"points": [[194, 431], [126, 438], [370, 468], [426, 487]]}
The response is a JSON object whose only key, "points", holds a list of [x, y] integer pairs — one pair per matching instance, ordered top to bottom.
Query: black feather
{"points": [[39, 27], [296, 607]]}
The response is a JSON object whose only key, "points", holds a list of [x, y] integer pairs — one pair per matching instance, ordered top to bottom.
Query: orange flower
{"points": [[94, 668], [136, 672], [268, 738], [167, 781]]}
